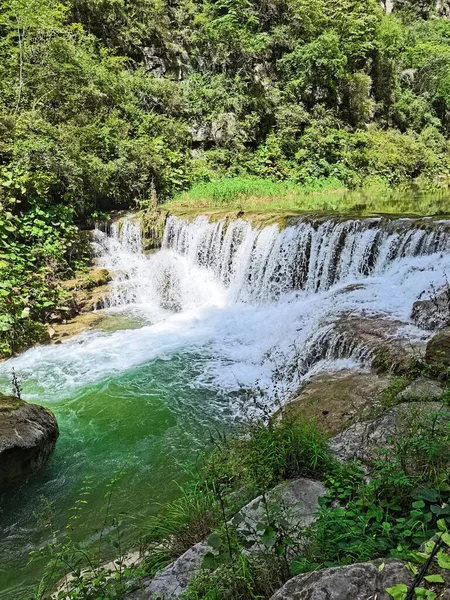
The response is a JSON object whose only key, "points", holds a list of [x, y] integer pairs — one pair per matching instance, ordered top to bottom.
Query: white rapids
{"points": [[248, 302]]}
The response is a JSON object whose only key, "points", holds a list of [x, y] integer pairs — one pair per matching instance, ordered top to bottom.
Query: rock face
{"points": [[88, 291], [380, 340], [438, 349], [336, 400], [28, 435], [362, 440], [298, 501], [356, 582]]}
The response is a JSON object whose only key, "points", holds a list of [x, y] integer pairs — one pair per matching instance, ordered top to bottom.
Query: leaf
{"points": [[25, 313], [418, 504], [439, 510], [442, 525], [214, 541], [443, 559], [210, 561], [381, 567], [412, 568], [434, 579], [398, 592], [424, 593]]}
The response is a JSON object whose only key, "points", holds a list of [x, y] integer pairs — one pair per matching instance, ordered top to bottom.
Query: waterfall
{"points": [[312, 255], [255, 265], [255, 305]]}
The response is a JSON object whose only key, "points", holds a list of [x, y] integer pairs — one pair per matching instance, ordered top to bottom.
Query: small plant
{"points": [[16, 385], [434, 554]]}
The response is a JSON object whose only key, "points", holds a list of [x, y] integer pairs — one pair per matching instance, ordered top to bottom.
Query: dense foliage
{"points": [[102, 101]]}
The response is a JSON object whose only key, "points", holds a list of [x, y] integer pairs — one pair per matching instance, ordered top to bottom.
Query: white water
{"points": [[248, 302]]}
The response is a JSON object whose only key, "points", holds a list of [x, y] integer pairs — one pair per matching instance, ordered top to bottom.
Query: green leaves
{"points": [[214, 541], [443, 559], [398, 592]]}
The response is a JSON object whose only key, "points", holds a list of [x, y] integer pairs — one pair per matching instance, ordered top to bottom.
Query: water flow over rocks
{"points": [[257, 305]]}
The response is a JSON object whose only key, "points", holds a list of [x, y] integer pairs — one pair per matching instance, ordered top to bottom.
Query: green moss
{"points": [[9, 403]]}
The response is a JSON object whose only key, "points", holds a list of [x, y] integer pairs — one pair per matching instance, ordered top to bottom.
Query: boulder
{"points": [[88, 281], [89, 292], [433, 313], [383, 342], [438, 350], [422, 389], [336, 400], [28, 435], [361, 441], [296, 501], [173, 581], [356, 582]]}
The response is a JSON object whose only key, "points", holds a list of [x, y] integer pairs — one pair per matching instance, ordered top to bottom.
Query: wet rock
{"points": [[88, 281], [89, 292], [433, 313], [74, 326], [379, 340], [438, 350], [422, 390], [336, 400], [28, 435], [361, 441], [356, 582]]}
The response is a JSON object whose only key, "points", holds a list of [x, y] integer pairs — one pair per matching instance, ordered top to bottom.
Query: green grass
{"points": [[256, 194]]}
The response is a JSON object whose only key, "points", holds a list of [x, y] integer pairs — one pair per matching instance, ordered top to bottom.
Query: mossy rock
{"points": [[88, 280], [438, 351], [336, 400], [9, 403], [28, 435]]}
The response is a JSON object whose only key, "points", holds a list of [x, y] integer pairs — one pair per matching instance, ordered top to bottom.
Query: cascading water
{"points": [[263, 291], [221, 306]]}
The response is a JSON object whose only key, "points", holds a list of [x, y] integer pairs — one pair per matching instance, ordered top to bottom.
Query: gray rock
{"points": [[154, 61], [224, 127], [201, 132], [433, 313], [422, 389], [28, 435], [361, 441], [298, 501], [295, 502], [172, 581], [354, 582]]}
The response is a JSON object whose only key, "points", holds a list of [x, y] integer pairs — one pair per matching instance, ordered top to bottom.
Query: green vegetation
{"points": [[108, 105], [263, 195], [402, 507]]}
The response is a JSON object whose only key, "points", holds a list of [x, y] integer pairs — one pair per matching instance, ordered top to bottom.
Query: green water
{"points": [[147, 423]]}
